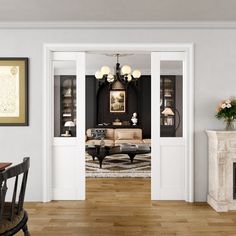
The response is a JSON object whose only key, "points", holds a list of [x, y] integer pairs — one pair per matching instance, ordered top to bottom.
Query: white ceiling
{"points": [[117, 10]]}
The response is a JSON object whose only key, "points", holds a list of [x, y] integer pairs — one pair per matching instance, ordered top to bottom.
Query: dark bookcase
{"points": [[167, 99], [67, 102]]}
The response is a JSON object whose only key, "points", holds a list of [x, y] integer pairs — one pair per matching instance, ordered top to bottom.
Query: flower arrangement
{"points": [[227, 110]]}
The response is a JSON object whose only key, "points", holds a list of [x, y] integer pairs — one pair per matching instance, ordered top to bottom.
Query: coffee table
{"points": [[130, 149]]}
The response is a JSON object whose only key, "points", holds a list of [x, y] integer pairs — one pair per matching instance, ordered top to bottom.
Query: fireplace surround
{"points": [[222, 170]]}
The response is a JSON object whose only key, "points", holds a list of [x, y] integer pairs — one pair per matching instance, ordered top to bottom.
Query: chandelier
{"points": [[123, 74]]}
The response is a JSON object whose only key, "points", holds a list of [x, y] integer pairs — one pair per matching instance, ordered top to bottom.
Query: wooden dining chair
{"points": [[13, 217]]}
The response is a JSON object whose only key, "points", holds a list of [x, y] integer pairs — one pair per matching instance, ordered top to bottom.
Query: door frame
{"points": [[47, 107]]}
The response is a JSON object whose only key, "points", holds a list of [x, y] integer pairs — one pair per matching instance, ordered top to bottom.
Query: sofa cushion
{"points": [[98, 133], [109, 133], [137, 133], [125, 135], [128, 141], [147, 141], [108, 142]]}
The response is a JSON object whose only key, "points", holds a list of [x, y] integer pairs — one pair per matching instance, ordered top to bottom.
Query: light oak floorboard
{"points": [[123, 207]]}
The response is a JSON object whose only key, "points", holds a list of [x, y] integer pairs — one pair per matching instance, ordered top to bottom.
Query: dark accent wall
{"points": [[145, 94], [138, 100], [91, 108]]}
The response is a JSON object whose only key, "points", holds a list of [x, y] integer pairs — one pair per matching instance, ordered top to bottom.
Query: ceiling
{"points": [[117, 10]]}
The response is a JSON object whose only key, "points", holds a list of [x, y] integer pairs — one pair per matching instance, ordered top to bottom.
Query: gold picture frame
{"points": [[14, 92], [118, 101]]}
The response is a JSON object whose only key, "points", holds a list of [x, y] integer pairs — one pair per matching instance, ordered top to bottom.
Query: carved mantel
{"points": [[221, 156]]}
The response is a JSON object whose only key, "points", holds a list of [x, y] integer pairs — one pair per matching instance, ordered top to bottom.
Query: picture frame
{"points": [[14, 91], [117, 101]]}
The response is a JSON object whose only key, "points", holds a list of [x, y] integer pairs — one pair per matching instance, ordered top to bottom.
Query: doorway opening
{"points": [[118, 115], [173, 155]]}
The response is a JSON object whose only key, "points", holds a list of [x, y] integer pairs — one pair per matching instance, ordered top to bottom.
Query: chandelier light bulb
{"points": [[126, 69], [105, 70], [98, 74], [136, 74], [129, 77], [110, 78]]}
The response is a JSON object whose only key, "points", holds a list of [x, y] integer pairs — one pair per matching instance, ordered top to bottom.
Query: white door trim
{"points": [[139, 48]]}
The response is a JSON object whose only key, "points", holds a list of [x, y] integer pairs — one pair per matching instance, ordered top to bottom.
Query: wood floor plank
{"points": [[123, 207]]}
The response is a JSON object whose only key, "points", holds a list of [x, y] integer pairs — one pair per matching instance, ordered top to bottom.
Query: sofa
{"points": [[115, 137]]}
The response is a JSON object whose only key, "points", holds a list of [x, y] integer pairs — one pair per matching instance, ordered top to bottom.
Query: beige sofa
{"points": [[115, 137]]}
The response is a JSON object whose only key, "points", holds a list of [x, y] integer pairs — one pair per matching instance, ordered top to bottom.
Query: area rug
{"points": [[119, 165]]}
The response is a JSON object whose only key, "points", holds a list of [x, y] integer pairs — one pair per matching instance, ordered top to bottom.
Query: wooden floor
{"points": [[123, 207]]}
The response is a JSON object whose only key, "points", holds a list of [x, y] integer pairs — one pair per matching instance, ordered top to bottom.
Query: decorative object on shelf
{"points": [[123, 74], [14, 91], [68, 93], [117, 101], [227, 110], [169, 112], [134, 118], [117, 122], [125, 123], [69, 124]]}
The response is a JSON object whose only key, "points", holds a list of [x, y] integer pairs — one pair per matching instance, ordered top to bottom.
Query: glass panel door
{"points": [[64, 98], [171, 98]]}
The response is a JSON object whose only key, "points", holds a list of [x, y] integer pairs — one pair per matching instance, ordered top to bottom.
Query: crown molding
{"points": [[118, 25]]}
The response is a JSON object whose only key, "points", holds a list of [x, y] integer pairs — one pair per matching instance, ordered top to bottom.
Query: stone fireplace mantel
{"points": [[221, 156]]}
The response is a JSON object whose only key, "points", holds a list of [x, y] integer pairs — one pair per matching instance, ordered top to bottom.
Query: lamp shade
{"points": [[126, 69], [105, 70], [98, 74], [136, 74], [168, 112], [69, 124]]}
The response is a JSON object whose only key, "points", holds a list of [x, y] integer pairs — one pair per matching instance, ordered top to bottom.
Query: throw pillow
{"points": [[98, 134], [125, 135]]}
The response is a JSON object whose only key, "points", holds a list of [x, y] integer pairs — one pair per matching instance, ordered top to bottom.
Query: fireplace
{"points": [[222, 170], [234, 180]]}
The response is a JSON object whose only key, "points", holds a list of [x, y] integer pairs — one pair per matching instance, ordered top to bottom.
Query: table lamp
{"points": [[169, 112], [69, 124]]}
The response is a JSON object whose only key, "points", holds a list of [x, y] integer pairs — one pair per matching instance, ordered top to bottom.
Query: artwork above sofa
{"points": [[115, 137]]}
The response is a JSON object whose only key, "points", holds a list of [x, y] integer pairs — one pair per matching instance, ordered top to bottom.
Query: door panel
{"points": [[169, 142], [68, 167]]}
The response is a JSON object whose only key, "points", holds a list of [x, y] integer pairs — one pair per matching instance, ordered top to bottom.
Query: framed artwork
{"points": [[14, 91], [118, 101]]}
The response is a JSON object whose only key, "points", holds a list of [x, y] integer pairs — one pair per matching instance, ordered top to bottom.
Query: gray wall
{"points": [[215, 70]]}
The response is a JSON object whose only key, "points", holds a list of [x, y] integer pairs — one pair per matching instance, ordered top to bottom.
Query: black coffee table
{"points": [[130, 149]]}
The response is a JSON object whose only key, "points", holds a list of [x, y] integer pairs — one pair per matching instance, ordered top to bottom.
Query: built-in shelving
{"points": [[167, 100], [68, 102]]}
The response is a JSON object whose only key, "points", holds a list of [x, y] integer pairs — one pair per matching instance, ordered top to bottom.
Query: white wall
{"points": [[215, 79]]}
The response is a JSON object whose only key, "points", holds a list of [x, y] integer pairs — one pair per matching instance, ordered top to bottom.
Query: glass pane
{"points": [[64, 99], [171, 99]]}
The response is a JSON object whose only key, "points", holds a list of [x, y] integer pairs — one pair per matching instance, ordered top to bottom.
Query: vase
{"points": [[229, 124], [102, 143]]}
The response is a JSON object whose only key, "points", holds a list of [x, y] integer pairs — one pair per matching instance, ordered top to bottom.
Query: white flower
{"points": [[228, 101], [228, 105], [223, 106]]}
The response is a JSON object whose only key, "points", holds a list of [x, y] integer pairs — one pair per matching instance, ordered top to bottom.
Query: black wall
{"points": [[138, 100]]}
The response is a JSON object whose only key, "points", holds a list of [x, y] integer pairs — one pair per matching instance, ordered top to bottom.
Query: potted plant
{"points": [[227, 110]]}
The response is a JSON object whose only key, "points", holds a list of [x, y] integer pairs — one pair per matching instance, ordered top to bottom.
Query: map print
{"points": [[9, 91]]}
